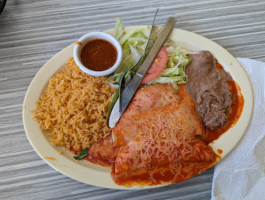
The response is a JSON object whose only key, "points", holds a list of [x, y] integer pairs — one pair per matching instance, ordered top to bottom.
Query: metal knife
{"points": [[148, 45], [133, 85]]}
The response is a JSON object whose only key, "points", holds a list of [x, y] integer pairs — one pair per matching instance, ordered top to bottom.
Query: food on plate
{"points": [[133, 47], [98, 55], [171, 60], [170, 63], [157, 66], [175, 71], [208, 87], [156, 99], [186, 101], [73, 108], [159, 131], [157, 140], [103, 152], [82, 154]]}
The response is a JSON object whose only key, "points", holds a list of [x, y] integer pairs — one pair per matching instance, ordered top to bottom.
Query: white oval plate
{"points": [[92, 174]]}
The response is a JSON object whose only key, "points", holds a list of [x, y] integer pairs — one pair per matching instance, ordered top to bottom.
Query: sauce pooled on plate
{"points": [[98, 55]]}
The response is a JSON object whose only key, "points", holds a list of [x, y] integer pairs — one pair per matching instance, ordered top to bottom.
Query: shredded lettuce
{"points": [[119, 32], [133, 45], [175, 70]]}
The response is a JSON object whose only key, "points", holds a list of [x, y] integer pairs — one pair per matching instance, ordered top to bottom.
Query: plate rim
{"points": [[97, 172]]}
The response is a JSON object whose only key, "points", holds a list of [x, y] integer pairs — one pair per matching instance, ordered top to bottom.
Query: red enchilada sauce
{"points": [[98, 55], [233, 116], [105, 152], [185, 170], [171, 173]]}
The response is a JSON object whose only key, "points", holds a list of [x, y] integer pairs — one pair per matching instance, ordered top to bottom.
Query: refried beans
{"points": [[209, 88]]}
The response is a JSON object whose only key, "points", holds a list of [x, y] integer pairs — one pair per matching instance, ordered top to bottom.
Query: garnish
{"points": [[82, 154]]}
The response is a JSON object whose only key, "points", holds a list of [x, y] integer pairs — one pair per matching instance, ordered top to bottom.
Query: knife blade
{"points": [[130, 89]]}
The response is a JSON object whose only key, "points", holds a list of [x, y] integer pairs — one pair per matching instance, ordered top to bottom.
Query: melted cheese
{"points": [[162, 136], [156, 141]]}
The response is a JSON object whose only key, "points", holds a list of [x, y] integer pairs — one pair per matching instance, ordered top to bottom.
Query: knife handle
{"points": [[157, 45]]}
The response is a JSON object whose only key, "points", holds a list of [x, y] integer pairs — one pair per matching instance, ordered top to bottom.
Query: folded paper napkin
{"points": [[241, 175]]}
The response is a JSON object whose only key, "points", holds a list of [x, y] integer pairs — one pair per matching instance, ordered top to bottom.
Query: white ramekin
{"points": [[94, 35]]}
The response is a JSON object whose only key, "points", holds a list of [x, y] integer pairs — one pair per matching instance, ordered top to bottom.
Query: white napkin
{"points": [[241, 175]]}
